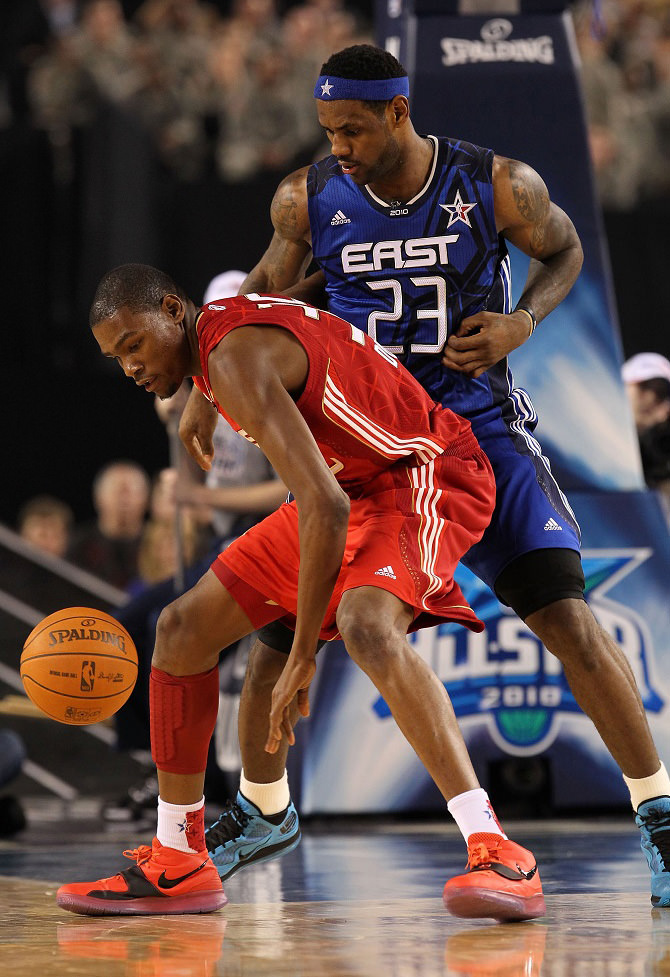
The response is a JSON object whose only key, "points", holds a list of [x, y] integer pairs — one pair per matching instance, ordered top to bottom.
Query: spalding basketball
{"points": [[79, 665]]}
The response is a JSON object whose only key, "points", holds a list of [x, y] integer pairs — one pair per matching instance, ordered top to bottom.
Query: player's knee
{"points": [[570, 631], [370, 639], [177, 649], [264, 666]]}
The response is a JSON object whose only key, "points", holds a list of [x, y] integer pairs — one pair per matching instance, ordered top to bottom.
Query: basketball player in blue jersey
{"points": [[409, 232]]}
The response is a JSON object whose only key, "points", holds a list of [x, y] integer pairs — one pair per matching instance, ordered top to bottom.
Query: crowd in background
{"points": [[626, 81], [230, 86], [233, 90]]}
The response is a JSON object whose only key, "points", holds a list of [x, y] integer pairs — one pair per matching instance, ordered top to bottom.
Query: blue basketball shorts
{"points": [[531, 511]]}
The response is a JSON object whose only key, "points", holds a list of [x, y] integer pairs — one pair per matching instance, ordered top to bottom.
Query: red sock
{"points": [[183, 712]]}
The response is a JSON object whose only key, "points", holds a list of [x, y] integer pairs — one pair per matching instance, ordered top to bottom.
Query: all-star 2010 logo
{"points": [[458, 210], [506, 678]]}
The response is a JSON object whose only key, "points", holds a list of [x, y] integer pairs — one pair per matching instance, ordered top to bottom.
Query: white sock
{"points": [[644, 788], [268, 798], [473, 813], [171, 830]]}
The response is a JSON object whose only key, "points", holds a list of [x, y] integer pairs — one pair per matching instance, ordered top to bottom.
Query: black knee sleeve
{"points": [[540, 578], [280, 638]]}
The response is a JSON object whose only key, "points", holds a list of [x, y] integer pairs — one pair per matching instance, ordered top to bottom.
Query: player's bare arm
{"points": [[525, 216], [284, 262], [283, 265], [255, 389]]}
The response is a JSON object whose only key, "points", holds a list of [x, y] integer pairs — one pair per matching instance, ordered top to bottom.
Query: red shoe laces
{"points": [[141, 854], [481, 854]]}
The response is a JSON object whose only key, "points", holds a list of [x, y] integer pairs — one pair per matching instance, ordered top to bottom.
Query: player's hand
{"points": [[483, 339], [196, 429], [295, 681]]}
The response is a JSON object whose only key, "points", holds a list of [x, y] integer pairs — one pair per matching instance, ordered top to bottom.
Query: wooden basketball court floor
{"points": [[356, 899]]}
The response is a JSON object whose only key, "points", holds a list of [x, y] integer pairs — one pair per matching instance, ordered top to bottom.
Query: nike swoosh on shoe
{"points": [[164, 883]]}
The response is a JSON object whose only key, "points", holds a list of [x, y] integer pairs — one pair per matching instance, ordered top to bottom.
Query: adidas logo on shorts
{"points": [[339, 218], [552, 524], [386, 572]]}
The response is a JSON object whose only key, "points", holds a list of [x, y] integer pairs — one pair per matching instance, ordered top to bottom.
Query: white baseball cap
{"points": [[225, 285], [645, 366]]}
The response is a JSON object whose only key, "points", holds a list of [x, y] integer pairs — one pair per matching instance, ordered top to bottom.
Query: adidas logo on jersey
{"points": [[340, 218], [552, 524], [386, 572]]}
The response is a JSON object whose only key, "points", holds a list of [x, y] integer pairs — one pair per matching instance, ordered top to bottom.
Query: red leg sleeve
{"points": [[183, 712]]}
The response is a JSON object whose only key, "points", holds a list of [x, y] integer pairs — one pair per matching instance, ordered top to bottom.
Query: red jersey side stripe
{"points": [[373, 434]]}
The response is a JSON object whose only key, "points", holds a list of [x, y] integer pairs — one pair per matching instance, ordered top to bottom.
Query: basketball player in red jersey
{"points": [[389, 489]]}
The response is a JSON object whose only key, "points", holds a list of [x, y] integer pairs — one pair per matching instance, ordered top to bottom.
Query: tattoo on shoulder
{"points": [[532, 200], [285, 215]]}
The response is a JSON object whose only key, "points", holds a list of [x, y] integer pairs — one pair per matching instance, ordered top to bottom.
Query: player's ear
{"points": [[400, 109], [173, 306]]}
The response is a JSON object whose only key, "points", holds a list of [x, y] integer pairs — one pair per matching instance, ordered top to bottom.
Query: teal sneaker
{"points": [[653, 820], [243, 836]]}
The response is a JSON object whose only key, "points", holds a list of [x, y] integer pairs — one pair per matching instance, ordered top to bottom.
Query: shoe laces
{"points": [[230, 824], [658, 826], [141, 854], [482, 854]]}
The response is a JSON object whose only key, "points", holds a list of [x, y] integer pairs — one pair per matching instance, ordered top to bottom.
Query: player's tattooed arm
{"points": [[527, 217], [287, 256]]}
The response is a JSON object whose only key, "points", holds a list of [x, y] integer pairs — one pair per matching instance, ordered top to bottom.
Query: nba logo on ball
{"points": [[79, 665]]}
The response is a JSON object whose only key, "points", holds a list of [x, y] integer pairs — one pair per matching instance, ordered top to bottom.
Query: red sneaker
{"points": [[163, 881], [501, 882]]}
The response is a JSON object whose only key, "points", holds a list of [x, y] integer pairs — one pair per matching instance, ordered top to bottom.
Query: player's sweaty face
{"points": [[360, 140], [148, 346]]}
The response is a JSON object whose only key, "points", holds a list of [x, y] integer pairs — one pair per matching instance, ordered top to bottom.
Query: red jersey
{"points": [[365, 410]]}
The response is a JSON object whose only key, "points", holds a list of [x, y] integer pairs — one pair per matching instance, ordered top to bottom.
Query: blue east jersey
{"points": [[407, 274]]}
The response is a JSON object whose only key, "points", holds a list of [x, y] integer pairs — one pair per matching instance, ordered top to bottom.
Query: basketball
{"points": [[79, 665]]}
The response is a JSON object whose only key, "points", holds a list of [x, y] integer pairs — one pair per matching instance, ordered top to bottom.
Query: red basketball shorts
{"points": [[406, 534]]}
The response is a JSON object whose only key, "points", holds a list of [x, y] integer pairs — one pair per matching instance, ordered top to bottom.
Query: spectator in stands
{"points": [[93, 60], [174, 97], [262, 131], [647, 380], [46, 523], [109, 546], [160, 551]]}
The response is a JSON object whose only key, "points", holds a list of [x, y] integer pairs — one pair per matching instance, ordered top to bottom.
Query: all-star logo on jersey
{"points": [[458, 210], [506, 678]]}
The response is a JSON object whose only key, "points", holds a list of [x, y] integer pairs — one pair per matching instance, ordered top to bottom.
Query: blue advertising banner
{"points": [[511, 83]]}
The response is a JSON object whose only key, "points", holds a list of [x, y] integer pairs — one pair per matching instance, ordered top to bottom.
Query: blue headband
{"points": [[382, 90]]}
